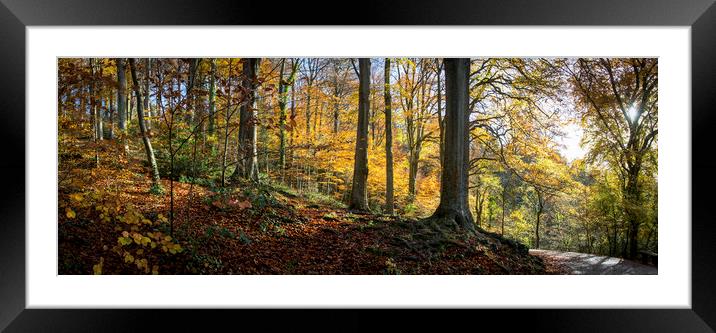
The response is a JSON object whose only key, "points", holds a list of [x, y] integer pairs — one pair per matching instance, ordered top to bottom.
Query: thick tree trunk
{"points": [[142, 128], [413, 158], [247, 163], [359, 190], [389, 205], [631, 205], [454, 208]]}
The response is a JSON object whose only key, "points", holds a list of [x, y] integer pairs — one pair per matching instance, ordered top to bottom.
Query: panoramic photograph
{"points": [[357, 166]]}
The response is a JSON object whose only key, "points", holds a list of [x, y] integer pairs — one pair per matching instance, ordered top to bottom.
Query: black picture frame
{"points": [[15, 15]]}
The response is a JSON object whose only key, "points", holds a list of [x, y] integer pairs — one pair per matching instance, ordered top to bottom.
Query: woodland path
{"points": [[590, 264]]}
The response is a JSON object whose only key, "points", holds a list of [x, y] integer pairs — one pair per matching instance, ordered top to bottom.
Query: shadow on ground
{"points": [[590, 264]]}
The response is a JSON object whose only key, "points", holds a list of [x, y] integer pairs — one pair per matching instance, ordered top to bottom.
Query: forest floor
{"points": [[108, 219], [590, 264]]}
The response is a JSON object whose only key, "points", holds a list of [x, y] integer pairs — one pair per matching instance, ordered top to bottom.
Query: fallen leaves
{"points": [[238, 233]]}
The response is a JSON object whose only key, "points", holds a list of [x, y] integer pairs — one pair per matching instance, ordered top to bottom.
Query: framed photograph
{"points": [[182, 157]]}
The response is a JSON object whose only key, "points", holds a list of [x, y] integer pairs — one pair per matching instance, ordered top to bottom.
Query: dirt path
{"points": [[590, 264]]}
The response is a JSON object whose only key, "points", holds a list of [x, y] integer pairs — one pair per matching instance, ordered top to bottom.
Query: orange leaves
{"points": [[229, 204], [243, 204]]}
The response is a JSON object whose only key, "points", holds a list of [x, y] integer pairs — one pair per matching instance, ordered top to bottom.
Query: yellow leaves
{"points": [[76, 197], [70, 213], [137, 237], [124, 241], [172, 248], [175, 248], [128, 257], [97, 269], [155, 270]]}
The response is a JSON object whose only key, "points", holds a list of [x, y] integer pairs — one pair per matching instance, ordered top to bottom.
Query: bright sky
{"points": [[571, 149]]}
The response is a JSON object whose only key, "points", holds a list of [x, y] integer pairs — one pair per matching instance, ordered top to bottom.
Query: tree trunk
{"points": [[212, 97], [282, 103], [335, 104], [98, 106], [147, 106], [93, 110], [308, 110], [111, 115], [227, 121], [441, 124], [142, 128], [291, 152], [247, 163], [412, 174], [359, 190], [632, 202], [479, 204], [389, 205], [504, 207], [454, 208], [540, 208]]}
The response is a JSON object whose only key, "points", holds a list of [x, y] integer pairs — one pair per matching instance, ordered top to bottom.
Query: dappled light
{"points": [[357, 166]]}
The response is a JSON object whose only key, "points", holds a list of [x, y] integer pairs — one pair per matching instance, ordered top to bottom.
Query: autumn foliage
{"points": [[203, 118]]}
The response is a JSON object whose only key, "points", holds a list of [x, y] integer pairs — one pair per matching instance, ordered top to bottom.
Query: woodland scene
{"points": [[357, 165]]}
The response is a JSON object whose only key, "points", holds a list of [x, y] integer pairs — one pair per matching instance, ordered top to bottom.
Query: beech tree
{"points": [[283, 85], [122, 101], [621, 102], [557, 154], [247, 160], [156, 185], [359, 192], [389, 205], [454, 208]]}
